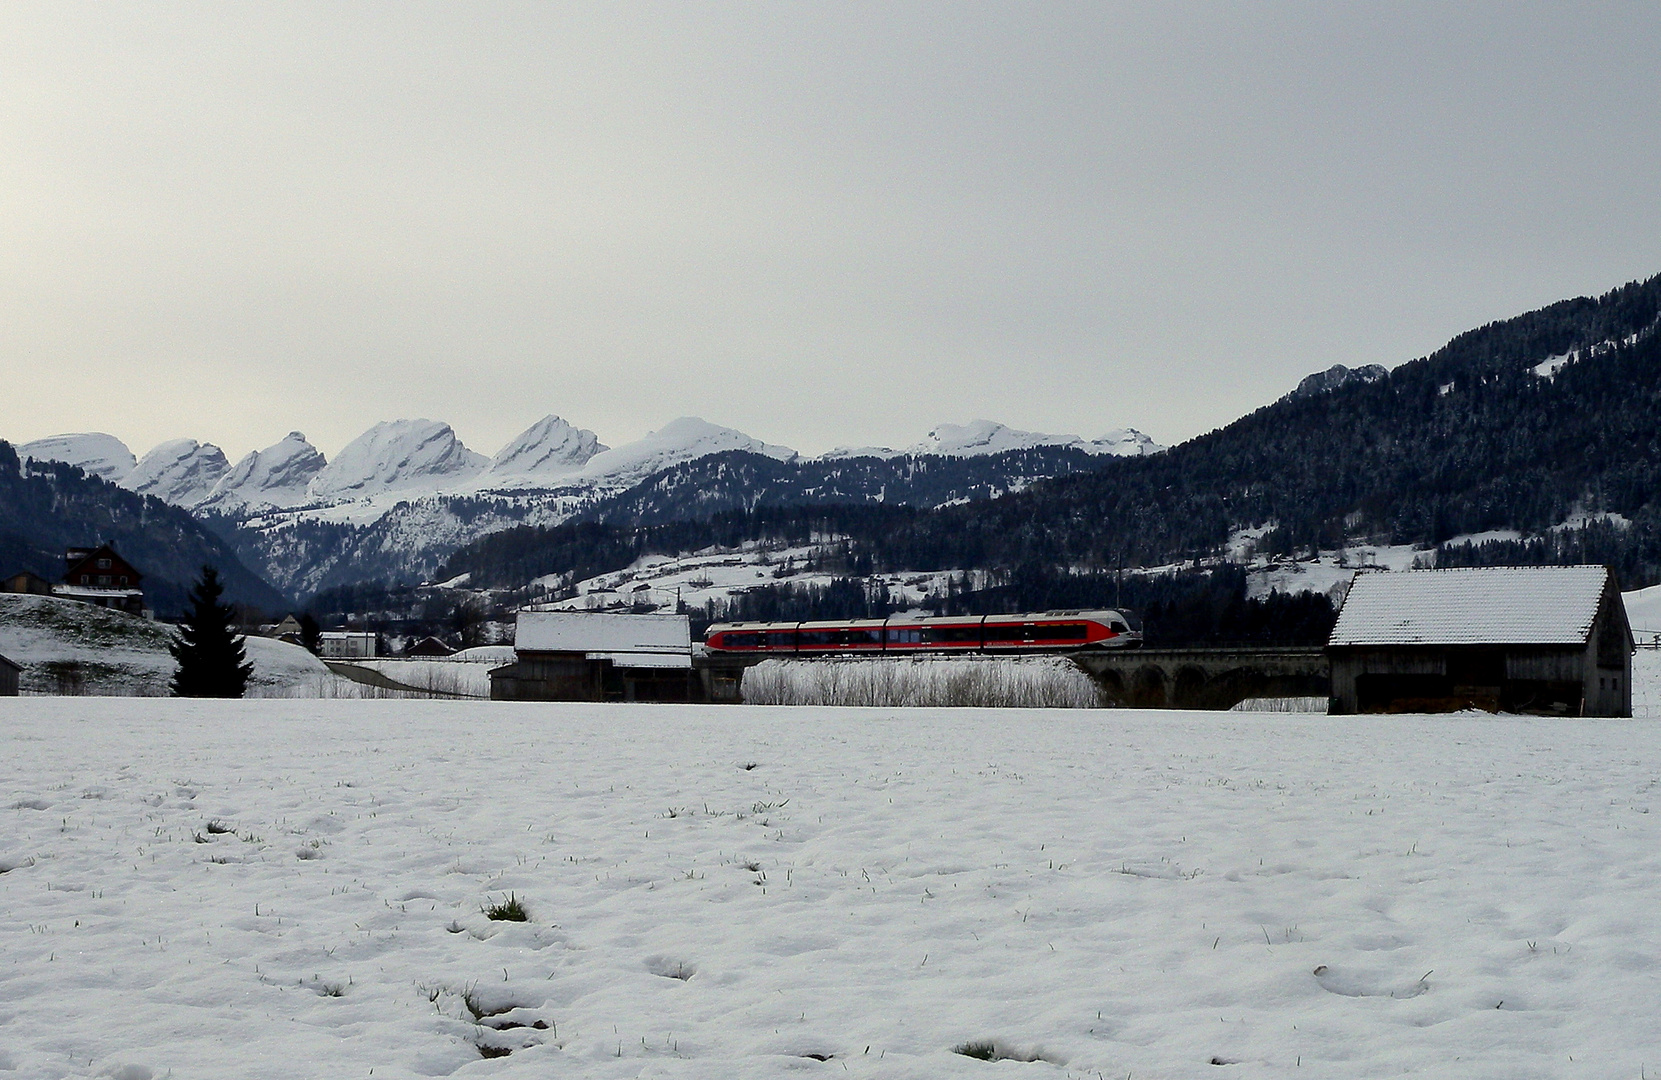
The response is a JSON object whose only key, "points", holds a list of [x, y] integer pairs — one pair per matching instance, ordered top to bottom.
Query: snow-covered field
{"points": [[294, 889]]}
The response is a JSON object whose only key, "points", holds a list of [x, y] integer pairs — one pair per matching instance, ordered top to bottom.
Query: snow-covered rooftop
{"points": [[1493, 605], [598, 632]]}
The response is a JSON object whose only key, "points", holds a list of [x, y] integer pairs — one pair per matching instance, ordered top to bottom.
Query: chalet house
{"points": [[100, 576], [26, 583], [1547, 640], [596, 656], [10, 673]]}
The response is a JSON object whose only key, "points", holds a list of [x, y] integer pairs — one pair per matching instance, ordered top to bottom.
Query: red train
{"points": [[1049, 631]]}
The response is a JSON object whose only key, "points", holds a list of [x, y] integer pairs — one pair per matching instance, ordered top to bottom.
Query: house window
{"points": [[103, 564], [85, 578], [123, 579]]}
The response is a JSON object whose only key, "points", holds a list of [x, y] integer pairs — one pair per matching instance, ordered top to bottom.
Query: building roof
{"points": [[76, 560], [96, 592], [1489, 605], [600, 632], [662, 660], [13, 664]]}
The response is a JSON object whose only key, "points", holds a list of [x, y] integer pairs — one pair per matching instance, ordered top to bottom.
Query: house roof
{"points": [[77, 560], [1489, 605], [598, 632], [13, 664]]}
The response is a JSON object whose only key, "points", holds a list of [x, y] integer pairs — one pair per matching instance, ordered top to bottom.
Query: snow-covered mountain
{"points": [[981, 437], [686, 439], [549, 449], [98, 454], [398, 455], [180, 471], [274, 478], [396, 501]]}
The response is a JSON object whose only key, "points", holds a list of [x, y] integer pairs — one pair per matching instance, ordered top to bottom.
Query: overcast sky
{"points": [[826, 224]]}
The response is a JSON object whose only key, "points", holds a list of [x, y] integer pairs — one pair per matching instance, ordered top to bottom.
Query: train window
{"points": [[1118, 626], [1004, 632], [905, 635], [952, 635], [816, 637], [863, 637], [781, 639], [740, 641]]}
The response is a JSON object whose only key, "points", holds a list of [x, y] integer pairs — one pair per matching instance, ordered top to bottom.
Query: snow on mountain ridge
{"points": [[982, 437], [685, 439], [549, 448], [94, 452], [396, 455], [181, 471], [273, 478]]}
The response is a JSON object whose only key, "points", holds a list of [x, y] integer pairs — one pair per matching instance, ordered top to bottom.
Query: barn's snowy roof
{"points": [[1492, 605], [600, 632]]}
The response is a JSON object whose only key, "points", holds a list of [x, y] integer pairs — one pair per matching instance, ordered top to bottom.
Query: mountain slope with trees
{"points": [[1522, 424], [49, 507]]}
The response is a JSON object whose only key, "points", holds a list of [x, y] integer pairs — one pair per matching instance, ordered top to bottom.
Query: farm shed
{"points": [[1548, 640], [595, 656], [10, 673]]}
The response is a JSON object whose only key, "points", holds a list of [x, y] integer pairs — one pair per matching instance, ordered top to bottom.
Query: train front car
{"points": [[767, 639]]}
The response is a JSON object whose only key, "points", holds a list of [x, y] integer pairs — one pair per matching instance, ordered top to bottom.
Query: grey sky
{"points": [[821, 224]]}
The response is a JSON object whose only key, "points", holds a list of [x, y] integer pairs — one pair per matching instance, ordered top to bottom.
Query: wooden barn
{"points": [[26, 582], [1546, 640], [595, 656], [10, 673]]}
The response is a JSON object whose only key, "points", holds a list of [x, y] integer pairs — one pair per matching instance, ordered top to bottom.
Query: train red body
{"points": [[1049, 631]]}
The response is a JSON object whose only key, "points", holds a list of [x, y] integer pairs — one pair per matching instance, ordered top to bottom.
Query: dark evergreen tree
{"points": [[311, 634], [209, 651]]}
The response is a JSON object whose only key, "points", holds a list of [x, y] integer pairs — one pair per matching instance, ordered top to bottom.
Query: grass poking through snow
{"points": [[509, 910]]}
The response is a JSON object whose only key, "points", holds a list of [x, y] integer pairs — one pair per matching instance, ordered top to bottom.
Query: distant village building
{"points": [[101, 577], [26, 582], [288, 630], [1548, 640], [348, 644], [428, 646], [595, 656], [10, 673]]}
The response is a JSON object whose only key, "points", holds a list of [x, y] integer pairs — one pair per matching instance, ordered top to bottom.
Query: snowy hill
{"points": [[982, 437], [100, 455], [181, 471], [66, 647]]}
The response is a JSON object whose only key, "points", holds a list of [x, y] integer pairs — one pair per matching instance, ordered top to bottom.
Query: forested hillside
{"points": [[1522, 424], [52, 506]]}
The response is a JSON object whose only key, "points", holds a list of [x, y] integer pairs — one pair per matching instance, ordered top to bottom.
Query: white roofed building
{"points": [[1527, 639], [597, 656]]}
